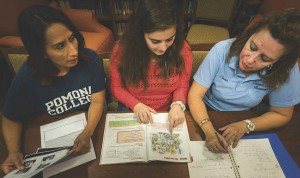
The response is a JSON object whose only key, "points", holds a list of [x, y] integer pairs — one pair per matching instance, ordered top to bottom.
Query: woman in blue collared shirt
{"points": [[237, 74]]}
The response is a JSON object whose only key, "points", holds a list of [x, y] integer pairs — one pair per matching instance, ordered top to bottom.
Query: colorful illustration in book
{"points": [[166, 143]]}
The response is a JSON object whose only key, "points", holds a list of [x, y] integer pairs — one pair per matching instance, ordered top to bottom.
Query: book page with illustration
{"points": [[123, 139], [126, 140], [165, 146]]}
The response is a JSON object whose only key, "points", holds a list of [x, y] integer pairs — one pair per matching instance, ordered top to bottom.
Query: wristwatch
{"points": [[180, 103], [250, 126]]}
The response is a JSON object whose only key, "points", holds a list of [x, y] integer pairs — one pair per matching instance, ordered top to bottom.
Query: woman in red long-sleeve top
{"points": [[151, 65]]}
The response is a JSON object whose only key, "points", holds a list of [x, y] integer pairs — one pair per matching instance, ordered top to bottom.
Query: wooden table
{"points": [[288, 134]]}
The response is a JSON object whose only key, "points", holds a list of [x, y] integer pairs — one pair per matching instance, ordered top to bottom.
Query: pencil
{"points": [[217, 135]]}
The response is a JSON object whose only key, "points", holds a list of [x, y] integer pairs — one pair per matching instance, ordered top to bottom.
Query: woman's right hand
{"points": [[143, 113], [213, 144], [13, 161]]}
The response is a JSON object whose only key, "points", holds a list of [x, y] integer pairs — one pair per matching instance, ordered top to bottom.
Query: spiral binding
{"points": [[234, 165]]}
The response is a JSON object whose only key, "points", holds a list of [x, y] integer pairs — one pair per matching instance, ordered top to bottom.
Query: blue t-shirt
{"points": [[230, 90], [72, 92]]}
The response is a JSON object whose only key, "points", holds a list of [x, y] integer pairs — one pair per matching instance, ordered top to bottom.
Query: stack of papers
{"points": [[57, 139]]}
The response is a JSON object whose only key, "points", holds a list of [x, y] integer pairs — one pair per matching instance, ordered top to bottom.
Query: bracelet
{"points": [[180, 104], [204, 121]]}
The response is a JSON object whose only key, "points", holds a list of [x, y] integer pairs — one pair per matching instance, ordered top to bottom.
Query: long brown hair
{"points": [[150, 16], [33, 23], [284, 26]]}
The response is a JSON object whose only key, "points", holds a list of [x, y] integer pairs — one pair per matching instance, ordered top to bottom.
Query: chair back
{"points": [[218, 11], [212, 23], [104, 55], [198, 57], [15, 58], [111, 102]]}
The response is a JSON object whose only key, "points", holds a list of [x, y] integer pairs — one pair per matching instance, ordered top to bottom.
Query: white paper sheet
{"points": [[63, 133], [252, 158]]}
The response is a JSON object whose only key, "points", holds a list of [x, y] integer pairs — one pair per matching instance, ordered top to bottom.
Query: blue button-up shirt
{"points": [[230, 90]]}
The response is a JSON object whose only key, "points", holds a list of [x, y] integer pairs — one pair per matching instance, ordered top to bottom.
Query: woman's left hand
{"points": [[176, 117], [233, 132], [81, 144]]}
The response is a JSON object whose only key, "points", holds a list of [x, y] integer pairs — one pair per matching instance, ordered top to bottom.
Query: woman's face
{"points": [[159, 41], [61, 47], [260, 51]]}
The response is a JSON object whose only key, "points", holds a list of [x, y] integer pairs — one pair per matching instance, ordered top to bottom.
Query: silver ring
{"points": [[211, 149]]}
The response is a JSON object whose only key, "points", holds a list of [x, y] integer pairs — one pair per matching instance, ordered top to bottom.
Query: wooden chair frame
{"points": [[6, 52]]}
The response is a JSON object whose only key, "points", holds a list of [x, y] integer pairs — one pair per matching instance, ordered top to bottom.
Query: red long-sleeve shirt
{"points": [[159, 95]]}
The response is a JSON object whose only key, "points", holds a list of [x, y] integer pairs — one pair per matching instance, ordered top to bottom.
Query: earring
{"points": [[270, 67]]}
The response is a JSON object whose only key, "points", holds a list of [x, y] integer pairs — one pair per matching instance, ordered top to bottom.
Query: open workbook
{"points": [[57, 139], [125, 140], [251, 158]]}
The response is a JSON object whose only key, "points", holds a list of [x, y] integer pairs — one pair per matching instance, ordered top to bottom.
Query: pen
{"points": [[221, 143]]}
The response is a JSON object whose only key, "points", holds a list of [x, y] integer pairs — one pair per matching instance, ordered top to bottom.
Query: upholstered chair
{"points": [[212, 22], [97, 36]]}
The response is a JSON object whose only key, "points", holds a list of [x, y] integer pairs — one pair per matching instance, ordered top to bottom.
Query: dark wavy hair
{"points": [[148, 17], [33, 23], [284, 26]]}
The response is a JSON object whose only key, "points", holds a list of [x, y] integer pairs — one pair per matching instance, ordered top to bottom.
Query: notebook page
{"points": [[256, 158], [208, 164]]}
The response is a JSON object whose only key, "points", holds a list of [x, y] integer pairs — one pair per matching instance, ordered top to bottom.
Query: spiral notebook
{"points": [[251, 158]]}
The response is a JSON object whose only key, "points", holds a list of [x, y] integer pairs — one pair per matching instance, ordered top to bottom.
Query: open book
{"points": [[57, 139], [125, 140], [251, 158]]}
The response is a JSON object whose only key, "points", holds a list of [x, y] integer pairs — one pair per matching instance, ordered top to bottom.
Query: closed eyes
{"points": [[263, 57]]}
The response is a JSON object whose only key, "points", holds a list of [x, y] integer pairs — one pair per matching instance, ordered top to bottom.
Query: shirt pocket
{"points": [[257, 93]]}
